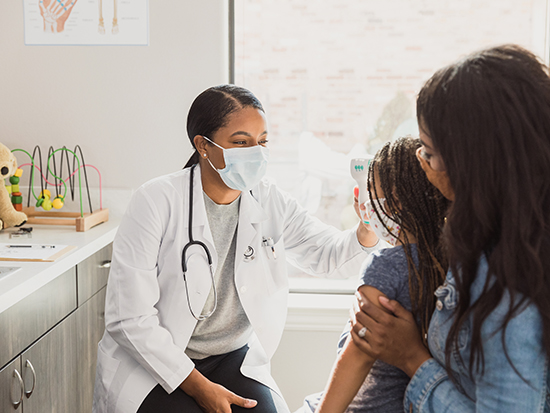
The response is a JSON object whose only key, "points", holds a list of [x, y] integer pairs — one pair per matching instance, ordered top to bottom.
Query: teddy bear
{"points": [[9, 217]]}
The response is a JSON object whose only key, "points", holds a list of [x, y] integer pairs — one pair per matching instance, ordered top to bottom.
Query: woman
{"points": [[485, 127], [197, 293]]}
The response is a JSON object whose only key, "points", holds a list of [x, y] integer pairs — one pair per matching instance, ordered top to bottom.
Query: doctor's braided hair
{"points": [[211, 109], [420, 209]]}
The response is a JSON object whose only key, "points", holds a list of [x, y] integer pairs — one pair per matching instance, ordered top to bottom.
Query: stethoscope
{"points": [[192, 242], [248, 255]]}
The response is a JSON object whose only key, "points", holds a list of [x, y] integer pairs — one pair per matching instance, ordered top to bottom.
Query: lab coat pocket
{"points": [[274, 263], [105, 373]]}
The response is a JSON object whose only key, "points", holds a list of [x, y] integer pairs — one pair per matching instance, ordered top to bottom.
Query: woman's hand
{"points": [[393, 338], [211, 397]]}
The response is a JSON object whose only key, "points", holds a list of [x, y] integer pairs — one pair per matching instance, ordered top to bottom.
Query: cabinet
{"points": [[90, 321], [49, 349], [49, 371], [11, 387]]}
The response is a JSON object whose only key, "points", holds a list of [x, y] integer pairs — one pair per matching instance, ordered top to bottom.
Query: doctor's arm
{"points": [[321, 249], [349, 372]]}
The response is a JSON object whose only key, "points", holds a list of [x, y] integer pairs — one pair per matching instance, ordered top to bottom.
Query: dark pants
{"points": [[225, 370]]}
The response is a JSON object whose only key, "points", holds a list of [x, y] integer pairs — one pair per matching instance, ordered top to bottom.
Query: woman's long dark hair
{"points": [[211, 109], [488, 116], [420, 209]]}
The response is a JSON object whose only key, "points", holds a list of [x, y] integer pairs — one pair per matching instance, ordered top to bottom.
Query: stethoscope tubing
{"points": [[192, 242]]}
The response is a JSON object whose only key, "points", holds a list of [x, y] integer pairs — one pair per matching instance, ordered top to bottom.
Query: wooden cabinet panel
{"points": [[92, 273], [33, 316], [90, 319], [49, 371], [10, 387]]}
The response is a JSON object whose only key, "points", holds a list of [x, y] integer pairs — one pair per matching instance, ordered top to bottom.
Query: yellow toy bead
{"points": [[18, 172], [15, 188], [45, 193], [57, 202], [47, 204]]}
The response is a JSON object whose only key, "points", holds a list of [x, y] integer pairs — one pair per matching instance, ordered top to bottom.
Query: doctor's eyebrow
{"points": [[247, 134]]}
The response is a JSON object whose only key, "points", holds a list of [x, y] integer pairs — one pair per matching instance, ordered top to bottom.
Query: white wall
{"points": [[126, 106], [304, 359]]}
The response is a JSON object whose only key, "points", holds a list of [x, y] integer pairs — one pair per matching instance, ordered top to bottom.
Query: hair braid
{"points": [[419, 208]]}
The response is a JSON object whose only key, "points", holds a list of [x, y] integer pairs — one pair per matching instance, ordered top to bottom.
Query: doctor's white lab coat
{"points": [[148, 322]]}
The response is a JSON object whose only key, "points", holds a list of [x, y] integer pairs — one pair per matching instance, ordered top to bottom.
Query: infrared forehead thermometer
{"points": [[359, 169]]}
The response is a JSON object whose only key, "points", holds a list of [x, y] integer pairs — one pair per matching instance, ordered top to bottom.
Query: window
{"points": [[339, 78]]}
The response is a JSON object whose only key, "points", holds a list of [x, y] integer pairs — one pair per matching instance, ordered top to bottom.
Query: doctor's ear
{"points": [[200, 144]]}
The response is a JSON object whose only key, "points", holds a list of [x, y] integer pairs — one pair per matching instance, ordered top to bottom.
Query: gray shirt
{"points": [[228, 328], [384, 387]]}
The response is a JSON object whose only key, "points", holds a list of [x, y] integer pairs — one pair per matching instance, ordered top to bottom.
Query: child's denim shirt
{"points": [[500, 389]]}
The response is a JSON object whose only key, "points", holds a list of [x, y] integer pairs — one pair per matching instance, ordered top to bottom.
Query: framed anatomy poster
{"points": [[86, 22]]}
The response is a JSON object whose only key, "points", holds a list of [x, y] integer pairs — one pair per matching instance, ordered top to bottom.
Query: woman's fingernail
{"points": [[383, 300]]}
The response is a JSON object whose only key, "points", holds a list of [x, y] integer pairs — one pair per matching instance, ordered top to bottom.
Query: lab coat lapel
{"points": [[251, 214]]}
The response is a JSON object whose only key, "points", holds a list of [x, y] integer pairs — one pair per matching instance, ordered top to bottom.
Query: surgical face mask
{"points": [[244, 167], [377, 225]]}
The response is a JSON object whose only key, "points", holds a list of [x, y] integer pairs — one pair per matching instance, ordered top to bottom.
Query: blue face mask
{"points": [[244, 167]]}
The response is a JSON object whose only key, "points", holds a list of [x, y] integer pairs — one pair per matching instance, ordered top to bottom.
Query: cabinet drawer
{"points": [[93, 272], [30, 318]]}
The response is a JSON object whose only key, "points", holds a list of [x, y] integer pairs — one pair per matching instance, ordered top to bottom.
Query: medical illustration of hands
{"points": [[55, 13]]}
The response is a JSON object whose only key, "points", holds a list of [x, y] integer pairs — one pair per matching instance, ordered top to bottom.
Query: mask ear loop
{"points": [[208, 159]]}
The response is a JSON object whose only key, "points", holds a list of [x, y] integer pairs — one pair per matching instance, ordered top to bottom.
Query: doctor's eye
{"points": [[263, 142]]}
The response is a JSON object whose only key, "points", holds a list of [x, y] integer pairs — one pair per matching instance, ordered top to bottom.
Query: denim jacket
{"points": [[500, 389]]}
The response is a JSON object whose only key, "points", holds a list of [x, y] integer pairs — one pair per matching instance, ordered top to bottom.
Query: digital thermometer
{"points": [[359, 169]]}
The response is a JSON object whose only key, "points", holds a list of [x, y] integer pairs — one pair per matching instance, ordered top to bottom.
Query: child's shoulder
{"points": [[388, 261], [387, 270]]}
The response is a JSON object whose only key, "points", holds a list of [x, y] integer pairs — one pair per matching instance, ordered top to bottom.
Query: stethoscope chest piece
{"points": [[249, 254]]}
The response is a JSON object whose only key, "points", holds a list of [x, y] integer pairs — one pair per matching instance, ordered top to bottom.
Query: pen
{"points": [[30, 246]]}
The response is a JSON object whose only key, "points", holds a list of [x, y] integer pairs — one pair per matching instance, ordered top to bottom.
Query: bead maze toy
{"points": [[41, 212]]}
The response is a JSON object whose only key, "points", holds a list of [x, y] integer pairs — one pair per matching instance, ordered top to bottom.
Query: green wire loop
{"points": [[55, 176], [65, 185]]}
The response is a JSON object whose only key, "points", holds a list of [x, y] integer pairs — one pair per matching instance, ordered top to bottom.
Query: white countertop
{"points": [[33, 275]]}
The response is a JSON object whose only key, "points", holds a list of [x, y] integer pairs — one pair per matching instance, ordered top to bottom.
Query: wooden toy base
{"points": [[82, 224]]}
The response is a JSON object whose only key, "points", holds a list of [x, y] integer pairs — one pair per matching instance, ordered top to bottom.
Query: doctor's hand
{"points": [[366, 236], [393, 338], [210, 396]]}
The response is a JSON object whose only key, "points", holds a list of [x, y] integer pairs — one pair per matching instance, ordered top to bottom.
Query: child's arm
{"points": [[350, 369]]}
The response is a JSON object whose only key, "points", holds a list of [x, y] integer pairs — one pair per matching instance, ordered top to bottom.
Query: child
{"points": [[408, 212]]}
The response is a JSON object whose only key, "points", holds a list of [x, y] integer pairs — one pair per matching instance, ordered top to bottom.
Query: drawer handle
{"points": [[105, 264], [29, 365], [17, 404]]}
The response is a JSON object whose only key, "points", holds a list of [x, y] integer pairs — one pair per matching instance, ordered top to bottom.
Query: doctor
{"points": [[184, 335]]}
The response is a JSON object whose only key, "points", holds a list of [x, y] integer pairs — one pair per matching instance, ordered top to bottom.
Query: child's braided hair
{"points": [[420, 209]]}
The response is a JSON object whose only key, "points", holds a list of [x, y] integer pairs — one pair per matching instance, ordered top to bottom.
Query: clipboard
{"points": [[33, 252]]}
